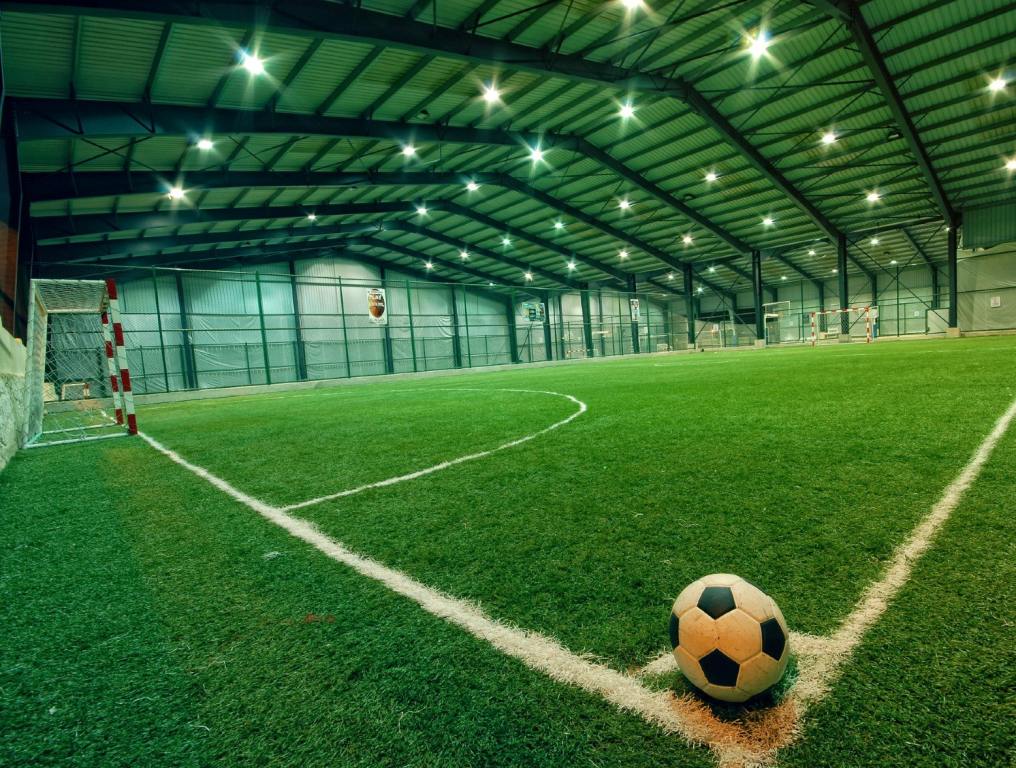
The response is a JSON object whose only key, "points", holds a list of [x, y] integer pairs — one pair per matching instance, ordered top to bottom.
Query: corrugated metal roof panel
{"points": [[31, 68]]}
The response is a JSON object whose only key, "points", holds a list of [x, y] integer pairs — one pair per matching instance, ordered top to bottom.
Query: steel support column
{"points": [[953, 283], [843, 285], [756, 290], [633, 294], [689, 305], [587, 320], [513, 331], [456, 341], [548, 345], [301, 353], [389, 356], [189, 364]]}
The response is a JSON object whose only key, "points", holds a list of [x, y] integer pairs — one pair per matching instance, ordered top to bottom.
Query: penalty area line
{"points": [[538, 652]]}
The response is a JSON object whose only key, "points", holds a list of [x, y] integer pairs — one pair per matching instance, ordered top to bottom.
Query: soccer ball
{"points": [[729, 637]]}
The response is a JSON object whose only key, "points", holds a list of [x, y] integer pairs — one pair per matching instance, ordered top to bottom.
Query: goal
{"points": [[774, 314], [829, 324], [79, 384]]}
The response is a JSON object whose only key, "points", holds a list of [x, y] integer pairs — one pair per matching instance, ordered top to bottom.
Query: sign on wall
{"points": [[377, 308], [636, 310], [534, 312]]}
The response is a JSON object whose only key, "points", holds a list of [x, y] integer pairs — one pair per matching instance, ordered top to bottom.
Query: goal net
{"points": [[850, 324], [79, 386]]}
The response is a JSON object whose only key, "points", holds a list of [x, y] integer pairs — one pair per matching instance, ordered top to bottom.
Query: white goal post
{"points": [[860, 324], [79, 385]]}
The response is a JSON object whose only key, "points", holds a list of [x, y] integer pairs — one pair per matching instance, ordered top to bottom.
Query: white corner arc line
{"points": [[582, 408], [536, 651]]}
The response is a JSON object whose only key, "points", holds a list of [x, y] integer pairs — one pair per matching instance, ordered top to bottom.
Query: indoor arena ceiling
{"points": [[512, 141]]}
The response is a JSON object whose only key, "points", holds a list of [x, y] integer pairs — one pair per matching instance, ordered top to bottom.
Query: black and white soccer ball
{"points": [[730, 638]]}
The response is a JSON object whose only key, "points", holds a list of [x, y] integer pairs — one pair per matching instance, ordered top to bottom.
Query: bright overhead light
{"points": [[632, 5], [758, 44], [252, 63], [998, 84], [491, 94], [627, 111], [829, 137], [205, 144], [408, 150], [535, 154], [1010, 165], [711, 176], [472, 186], [176, 193], [873, 197], [624, 203], [421, 210], [311, 217], [768, 221], [558, 224], [687, 240], [506, 241], [874, 241], [811, 252], [464, 254], [623, 254], [893, 261], [429, 265], [571, 266], [712, 268], [835, 270], [529, 276], [670, 276], [783, 277], [491, 284], [701, 289]]}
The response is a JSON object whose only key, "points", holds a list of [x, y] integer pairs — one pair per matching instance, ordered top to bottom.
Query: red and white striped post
{"points": [[867, 324], [813, 329], [121, 357], [114, 374]]}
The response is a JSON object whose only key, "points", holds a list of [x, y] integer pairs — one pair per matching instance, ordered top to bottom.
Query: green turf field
{"points": [[151, 619]]}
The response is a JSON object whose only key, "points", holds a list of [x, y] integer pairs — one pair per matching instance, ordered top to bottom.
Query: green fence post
{"points": [[158, 320], [649, 327], [560, 328], [345, 331], [264, 332], [412, 332], [548, 345], [246, 362]]}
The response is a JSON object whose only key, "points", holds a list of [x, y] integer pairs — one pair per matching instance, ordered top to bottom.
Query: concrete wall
{"points": [[12, 396]]}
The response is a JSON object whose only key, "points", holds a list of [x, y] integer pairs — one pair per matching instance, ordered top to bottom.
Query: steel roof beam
{"points": [[858, 28], [57, 118], [464, 269]]}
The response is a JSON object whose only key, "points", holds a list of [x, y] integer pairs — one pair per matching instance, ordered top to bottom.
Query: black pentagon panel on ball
{"points": [[716, 601], [673, 629], [773, 638], [719, 668]]}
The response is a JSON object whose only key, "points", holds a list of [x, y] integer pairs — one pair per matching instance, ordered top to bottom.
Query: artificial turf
{"points": [[125, 578]]}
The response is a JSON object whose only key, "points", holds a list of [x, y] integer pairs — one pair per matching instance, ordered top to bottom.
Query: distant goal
{"points": [[850, 324], [79, 385]]}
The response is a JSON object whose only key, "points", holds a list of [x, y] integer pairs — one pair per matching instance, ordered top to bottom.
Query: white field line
{"points": [[451, 462], [536, 651], [821, 659]]}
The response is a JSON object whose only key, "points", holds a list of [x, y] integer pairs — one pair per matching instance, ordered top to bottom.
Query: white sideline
{"points": [[451, 462]]}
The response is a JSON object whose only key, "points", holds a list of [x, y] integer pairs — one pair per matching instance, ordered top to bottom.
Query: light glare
{"points": [[758, 44], [252, 63], [998, 84], [491, 94], [627, 111], [829, 137], [205, 144], [408, 150], [536, 154], [1010, 165], [711, 176], [472, 186], [176, 193], [874, 197], [624, 204], [421, 210], [768, 221], [687, 240], [623, 254], [571, 266], [529, 276]]}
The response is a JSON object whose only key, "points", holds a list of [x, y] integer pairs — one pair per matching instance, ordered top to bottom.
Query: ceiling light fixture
{"points": [[758, 44], [252, 63], [997, 84], [491, 94], [627, 111], [829, 137], [205, 144], [408, 150], [535, 154], [1010, 165], [711, 176], [472, 186], [176, 193], [873, 196], [624, 203], [421, 210], [311, 217], [768, 221], [558, 224], [687, 240], [506, 241], [874, 241], [811, 252], [464, 254], [623, 254], [429, 265], [571, 266], [670, 276], [529, 277], [701, 289]]}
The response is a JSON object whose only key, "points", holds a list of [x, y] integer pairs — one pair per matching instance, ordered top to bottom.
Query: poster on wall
{"points": [[377, 309], [636, 311], [534, 312]]}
